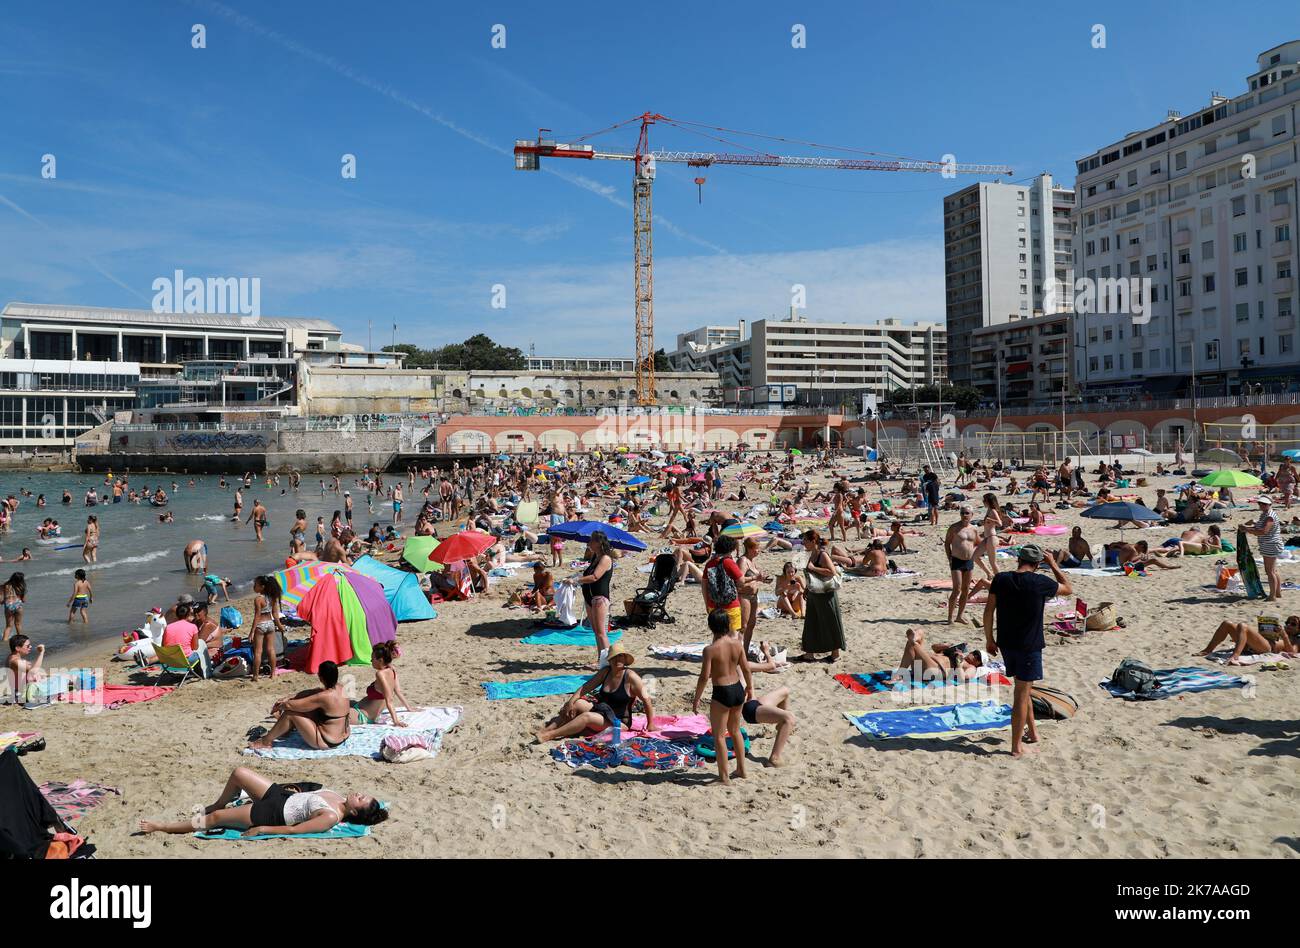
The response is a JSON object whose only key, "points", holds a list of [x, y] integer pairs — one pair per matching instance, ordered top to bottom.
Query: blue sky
{"points": [[225, 161]]}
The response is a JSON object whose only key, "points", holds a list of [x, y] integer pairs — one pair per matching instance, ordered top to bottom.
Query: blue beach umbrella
{"points": [[1292, 453], [638, 480], [1121, 510], [583, 529]]}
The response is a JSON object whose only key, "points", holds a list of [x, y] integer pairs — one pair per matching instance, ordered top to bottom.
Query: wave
{"points": [[211, 517], [126, 561], [151, 579]]}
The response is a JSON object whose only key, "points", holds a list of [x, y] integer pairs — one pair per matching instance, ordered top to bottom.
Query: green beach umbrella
{"points": [[796, 451], [1230, 478], [416, 552]]}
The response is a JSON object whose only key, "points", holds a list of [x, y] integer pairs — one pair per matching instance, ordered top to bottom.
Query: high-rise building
{"points": [[1204, 207], [1003, 245], [820, 363]]}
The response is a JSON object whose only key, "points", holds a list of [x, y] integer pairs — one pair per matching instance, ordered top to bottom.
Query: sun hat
{"points": [[1264, 500], [1030, 553], [615, 651]]}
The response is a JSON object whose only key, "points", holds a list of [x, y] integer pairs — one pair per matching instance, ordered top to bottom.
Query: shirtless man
{"points": [[239, 504], [258, 519], [959, 545], [1077, 553], [1138, 554], [196, 556], [874, 561], [724, 662], [23, 672]]}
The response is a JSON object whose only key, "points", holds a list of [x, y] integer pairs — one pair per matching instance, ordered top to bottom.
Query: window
{"points": [[1279, 125], [1243, 136], [1211, 146], [1180, 161], [1155, 168], [1132, 177], [1280, 197], [1133, 206], [1238, 206], [1020, 212], [1207, 217], [1282, 232], [1238, 243], [1105, 244], [1089, 249], [1207, 250], [1184, 256], [1151, 263], [1283, 269], [1242, 276], [1207, 282], [1184, 287], [1284, 306], [1243, 312], [1107, 334], [1284, 344], [1212, 351], [1154, 358], [1108, 362], [1092, 363]]}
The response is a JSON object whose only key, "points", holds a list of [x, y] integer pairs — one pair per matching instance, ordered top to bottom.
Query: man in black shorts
{"points": [[959, 545], [1016, 600]]}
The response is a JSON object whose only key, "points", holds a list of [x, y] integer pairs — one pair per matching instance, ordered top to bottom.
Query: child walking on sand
{"points": [[81, 596], [733, 684]]}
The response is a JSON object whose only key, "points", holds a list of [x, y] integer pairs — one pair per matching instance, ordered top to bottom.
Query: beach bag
{"points": [[721, 587], [566, 607], [231, 618], [1103, 618], [236, 666], [1134, 677], [1052, 704], [404, 748]]}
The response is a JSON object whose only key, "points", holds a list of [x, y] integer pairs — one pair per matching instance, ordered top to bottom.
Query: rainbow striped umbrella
{"points": [[743, 531], [348, 612]]}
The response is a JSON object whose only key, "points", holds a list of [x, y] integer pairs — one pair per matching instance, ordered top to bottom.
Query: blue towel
{"points": [[578, 635], [1178, 681], [533, 687], [969, 717]]}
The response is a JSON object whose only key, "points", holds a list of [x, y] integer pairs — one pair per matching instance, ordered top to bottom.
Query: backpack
{"points": [[721, 587], [1134, 677], [1052, 704]]}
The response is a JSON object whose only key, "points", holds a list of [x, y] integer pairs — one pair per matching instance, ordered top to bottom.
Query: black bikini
{"points": [[616, 704], [334, 717]]}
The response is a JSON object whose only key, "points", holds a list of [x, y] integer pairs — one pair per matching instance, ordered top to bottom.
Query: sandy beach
{"points": [[1201, 775]]}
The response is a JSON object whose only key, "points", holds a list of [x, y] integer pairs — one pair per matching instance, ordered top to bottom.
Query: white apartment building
{"points": [[1204, 207], [1003, 244], [822, 363]]}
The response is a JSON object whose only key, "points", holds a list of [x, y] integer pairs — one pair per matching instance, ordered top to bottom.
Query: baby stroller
{"points": [[649, 605]]}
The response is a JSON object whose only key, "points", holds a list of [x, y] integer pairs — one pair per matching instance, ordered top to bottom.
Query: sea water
{"points": [[140, 559]]}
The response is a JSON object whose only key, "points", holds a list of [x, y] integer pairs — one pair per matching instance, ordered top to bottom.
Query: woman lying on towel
{"points": [[1248, 641], [924, 662], [611, 693], [319, 715], [278, 809]]}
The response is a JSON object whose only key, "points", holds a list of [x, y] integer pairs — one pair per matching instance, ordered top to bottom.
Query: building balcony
{"points": [[1280, 212], [1182, 238], [1281, 248], [1132, 251], [1183, 271], [1281, 285], [1284, 323], [1136, 342]]}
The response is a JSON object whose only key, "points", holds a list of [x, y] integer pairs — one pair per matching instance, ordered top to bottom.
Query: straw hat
{"points": [[616, 650]]}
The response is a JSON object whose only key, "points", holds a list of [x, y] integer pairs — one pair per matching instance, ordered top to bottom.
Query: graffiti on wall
{"points": [[218, 441]]}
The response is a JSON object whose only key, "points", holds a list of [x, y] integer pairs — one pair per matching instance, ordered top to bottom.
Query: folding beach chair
{"points": [[175, 661]]}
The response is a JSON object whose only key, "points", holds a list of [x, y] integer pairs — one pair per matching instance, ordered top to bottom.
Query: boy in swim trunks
{"points": [[81, 596], [725, 663]]}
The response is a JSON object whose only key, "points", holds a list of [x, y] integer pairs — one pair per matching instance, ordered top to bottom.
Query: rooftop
{"points": [[105, 316]]}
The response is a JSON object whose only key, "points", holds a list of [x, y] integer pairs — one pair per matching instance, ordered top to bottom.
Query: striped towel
{"points": [[1179, 681], [880, 682], [952, 719]]}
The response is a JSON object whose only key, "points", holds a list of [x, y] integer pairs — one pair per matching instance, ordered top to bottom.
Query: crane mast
{"points": [[528, 155]]}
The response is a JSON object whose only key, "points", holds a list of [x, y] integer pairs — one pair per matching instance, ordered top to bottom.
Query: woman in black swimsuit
{"points": [[616, 689], [319, 715]]}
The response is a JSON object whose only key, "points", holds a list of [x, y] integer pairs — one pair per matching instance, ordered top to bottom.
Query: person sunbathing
{"points": [[1193, 541], [1077, 554], [1138, 554], [874, 561], [790, 592], [1248, 641], [924, 662], [380, 694], [604, 698], [319, 715], [277, 809]]}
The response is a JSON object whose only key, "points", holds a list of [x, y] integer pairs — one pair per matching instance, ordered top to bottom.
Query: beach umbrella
{"points": [[796, 452], [1292, 453], [657, 454], [1221, 454], [503, 457], [675, 469], [697, 477], [1230, 478], [638, 481], [1121, 510], [583, 529], [743, 531], [462, 546], [416, 552], [349, 614]]}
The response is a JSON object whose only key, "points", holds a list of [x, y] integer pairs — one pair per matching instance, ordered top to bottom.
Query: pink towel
{"points": [[114, 696], [670, 727]]}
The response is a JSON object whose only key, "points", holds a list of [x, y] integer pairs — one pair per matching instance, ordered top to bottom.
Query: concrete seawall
{"points": [[259, 450]]}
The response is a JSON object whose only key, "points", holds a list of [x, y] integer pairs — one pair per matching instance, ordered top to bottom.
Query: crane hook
{"points": [[699, 186]]}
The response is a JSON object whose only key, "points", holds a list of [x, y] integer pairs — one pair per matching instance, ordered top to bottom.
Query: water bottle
{"points": [[618, 733]]}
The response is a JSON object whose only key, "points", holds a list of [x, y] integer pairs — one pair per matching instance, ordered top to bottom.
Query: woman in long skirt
{"points": [[823, 631]]}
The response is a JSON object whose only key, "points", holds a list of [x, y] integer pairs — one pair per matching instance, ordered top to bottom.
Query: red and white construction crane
{"points": [[528, 155]]}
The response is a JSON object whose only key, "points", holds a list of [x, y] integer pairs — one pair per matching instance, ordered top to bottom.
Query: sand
{"points": [[1210, 774]]}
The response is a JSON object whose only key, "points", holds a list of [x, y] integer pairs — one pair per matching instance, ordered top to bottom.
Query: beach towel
{"points": [[1079, 571], [578, 635], [1221, 658], [1178, 681], [875, 683], [533, 687], [112, 697], [951, 719], [669, 727], [366, 740], [22, 741], [639, 753], [73, 800], [337, 831]]}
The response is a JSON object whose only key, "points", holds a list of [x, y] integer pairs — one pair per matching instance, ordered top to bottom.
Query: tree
{"points": [[478, 352], [416, 358], [661, 362]]}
